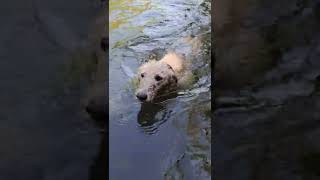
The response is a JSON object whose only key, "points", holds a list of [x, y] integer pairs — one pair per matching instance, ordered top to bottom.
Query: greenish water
{"points": [[169, 140]]}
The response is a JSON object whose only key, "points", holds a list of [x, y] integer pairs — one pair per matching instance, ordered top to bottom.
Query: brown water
{"points": [[170, 140]]}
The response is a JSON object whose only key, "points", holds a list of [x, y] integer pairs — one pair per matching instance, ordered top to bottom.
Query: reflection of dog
{"points": [[159, 77], [147, 114], [151, 116]]}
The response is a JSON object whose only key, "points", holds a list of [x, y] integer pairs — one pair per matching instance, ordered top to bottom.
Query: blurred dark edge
{"points": [[213, 60], [266, 89], [100, 167]]}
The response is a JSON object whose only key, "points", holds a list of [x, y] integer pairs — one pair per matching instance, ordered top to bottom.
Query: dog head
{"points": [[155, 80]]}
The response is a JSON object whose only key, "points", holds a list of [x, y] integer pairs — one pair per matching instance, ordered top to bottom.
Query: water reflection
{"points": [[147, 114], [151, 116]]}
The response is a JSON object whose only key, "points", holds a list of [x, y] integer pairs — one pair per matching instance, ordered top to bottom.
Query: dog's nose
{"points": [[141, 96]]}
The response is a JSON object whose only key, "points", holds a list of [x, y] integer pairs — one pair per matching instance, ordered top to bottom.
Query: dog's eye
{"points": [[142, 75], [158, 78]]}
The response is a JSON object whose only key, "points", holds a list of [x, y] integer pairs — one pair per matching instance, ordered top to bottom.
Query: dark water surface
{"points": [[43, 132], [170, 140]]}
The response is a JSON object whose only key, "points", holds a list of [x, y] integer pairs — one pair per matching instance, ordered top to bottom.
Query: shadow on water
{"points": [[147, 115], [152, 115]]}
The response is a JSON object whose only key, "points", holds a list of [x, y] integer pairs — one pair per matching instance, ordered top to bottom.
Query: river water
{"points": [[170, 140]]}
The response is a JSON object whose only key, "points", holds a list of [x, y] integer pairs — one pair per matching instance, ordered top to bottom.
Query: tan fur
{"points": [[175, 61]]}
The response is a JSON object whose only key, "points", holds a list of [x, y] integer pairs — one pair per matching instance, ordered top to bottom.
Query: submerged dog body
{"points": [[159, 77]]}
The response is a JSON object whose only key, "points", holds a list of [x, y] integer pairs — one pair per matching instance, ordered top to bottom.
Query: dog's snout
{"points": [[141, 96]]}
